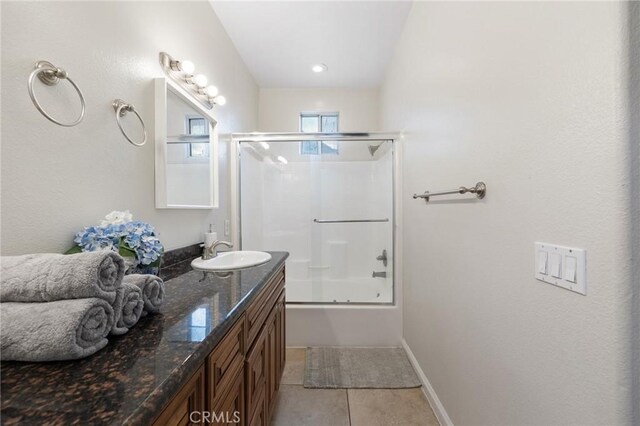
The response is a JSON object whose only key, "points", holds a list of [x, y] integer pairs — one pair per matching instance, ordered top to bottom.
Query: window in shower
{"points": [[319, 122], [197, 126], [333, 214]]}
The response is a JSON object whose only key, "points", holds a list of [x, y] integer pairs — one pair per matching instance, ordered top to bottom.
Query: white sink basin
{"points": [[230, 260]]}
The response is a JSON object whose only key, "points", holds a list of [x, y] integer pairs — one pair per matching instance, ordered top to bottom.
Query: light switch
{"points": [[542, 262], [555, 263], [570, 266], [564, 267]]}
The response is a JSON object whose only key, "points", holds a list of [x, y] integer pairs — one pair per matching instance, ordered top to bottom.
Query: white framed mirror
{"points": [[186, 155]]}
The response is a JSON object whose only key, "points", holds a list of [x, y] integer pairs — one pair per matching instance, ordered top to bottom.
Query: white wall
{"points": [[532, 98], [279, 109], [57, 180]]}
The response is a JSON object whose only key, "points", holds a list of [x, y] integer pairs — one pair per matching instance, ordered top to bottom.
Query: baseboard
{"points": [[428, 390]]}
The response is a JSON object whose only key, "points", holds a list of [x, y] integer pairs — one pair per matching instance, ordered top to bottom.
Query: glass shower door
{"points": [[332, 212]]}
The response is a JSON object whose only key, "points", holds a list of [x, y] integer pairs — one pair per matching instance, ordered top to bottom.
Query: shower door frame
{"points": [[236, 193]]}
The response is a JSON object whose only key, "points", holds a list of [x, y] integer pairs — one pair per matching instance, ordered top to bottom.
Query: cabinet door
{"points": [[282, 339], [273, 361], [224, 363], [255, 375], [188, 400], [230, 411], [259, 418]]}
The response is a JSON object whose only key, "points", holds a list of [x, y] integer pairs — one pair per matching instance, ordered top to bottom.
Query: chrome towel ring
{"points": [[51, 75], [121, 108]]}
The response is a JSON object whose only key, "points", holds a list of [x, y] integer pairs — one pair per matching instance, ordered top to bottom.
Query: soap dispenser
{"points": [[210, 237]]}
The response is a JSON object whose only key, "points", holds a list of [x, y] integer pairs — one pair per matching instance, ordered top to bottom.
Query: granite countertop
{"points": [[136, 374]]}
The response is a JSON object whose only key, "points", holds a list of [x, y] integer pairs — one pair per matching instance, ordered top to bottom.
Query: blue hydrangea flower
{"points": [[135, 235]]}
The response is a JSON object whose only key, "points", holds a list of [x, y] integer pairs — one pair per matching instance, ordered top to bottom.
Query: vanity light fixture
{"points": [[185, 67], [319, 68], [181, 72], [200, 80], [211, 91], [264, 145], [282, 159]]}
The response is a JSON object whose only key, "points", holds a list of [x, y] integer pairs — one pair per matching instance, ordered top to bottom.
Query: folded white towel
{"points": [[47, 277], [152, 290], [127, 308], [54, 331]]}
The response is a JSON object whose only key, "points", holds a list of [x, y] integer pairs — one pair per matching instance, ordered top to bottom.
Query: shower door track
{"points": [[295, 137]]}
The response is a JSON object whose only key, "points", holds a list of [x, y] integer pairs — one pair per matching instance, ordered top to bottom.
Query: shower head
{"points": [[374, 148]]}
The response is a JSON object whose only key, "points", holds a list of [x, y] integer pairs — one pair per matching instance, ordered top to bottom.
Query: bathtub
{"points": [[350, 290], [352, 312]]}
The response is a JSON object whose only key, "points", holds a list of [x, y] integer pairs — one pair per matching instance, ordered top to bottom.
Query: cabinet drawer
{"points": [[259, 309], [225, 363], [189, 399], [230, 410]]}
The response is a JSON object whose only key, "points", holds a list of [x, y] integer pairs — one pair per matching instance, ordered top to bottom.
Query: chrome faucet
{"points": [[212, 251], [383, 257], [379, 274]]}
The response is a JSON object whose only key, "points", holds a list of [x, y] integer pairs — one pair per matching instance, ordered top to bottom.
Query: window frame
{"points": [[319, 115], [187, 130]]}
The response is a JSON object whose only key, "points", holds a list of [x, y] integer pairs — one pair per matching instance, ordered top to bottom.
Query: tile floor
{"points": [[297, 406]]}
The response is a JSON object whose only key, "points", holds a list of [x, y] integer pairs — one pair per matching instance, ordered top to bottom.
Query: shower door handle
{"points": [[350, 220]]}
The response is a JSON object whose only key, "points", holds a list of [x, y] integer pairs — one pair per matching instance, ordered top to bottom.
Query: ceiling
{"points": [[279, 41]]}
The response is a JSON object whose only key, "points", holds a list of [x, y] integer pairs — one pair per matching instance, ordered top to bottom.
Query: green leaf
{"points": [[74, 250], [126, 251]]}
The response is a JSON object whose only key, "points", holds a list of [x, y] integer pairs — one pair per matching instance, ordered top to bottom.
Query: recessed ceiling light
{"points": [[319, 68]]}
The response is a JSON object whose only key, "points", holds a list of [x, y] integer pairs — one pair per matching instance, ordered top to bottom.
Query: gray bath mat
{"points": [[364, 368]]}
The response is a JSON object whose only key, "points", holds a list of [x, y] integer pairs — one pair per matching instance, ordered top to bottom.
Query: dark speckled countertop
{"points": [[136, 374]]}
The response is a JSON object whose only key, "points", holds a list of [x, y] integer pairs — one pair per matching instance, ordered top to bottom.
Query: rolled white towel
{"points": [[49, 276], [152, 290], [127, 308], [54, 331]]}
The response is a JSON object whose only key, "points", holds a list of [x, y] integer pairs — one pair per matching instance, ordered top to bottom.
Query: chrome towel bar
{"points": [[480, 189], [350, 221]]}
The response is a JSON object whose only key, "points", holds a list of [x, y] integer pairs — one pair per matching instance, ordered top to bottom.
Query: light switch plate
{"points": [[567, 265]]}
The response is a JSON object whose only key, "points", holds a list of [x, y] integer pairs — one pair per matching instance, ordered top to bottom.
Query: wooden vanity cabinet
{"points": [[264, 364], [240, 378], [190, 398]]}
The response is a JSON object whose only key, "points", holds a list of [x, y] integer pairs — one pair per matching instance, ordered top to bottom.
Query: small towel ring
{"points": [[51, 75], [121, 108]]}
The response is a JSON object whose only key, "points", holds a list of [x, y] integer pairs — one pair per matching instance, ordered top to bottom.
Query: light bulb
{"points": [[187, 67], [319, 68], [200, 80], [211, 91], [220, 100], [264, 145], [282, 159]]}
